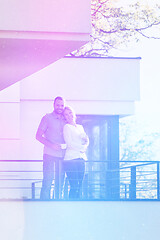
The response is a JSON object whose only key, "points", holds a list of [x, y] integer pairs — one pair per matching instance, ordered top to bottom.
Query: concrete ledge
{"points": [[80, 220]]}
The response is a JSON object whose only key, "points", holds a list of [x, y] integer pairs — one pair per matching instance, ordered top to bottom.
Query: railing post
{"points": [[158, 180], [125, 189], [132, 189], [33, 191]]}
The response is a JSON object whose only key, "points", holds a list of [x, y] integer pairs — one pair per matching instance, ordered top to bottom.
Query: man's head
{"points": [[59, 105]]}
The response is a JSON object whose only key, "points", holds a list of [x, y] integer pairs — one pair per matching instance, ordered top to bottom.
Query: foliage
{"points": [[115, 27], [137, 142], [139, 146]]}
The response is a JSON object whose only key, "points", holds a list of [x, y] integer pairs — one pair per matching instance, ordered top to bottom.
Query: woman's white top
{"points": [[75, 147]]}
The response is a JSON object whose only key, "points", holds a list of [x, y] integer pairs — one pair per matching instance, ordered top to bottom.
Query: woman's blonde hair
{"points": [[69, 108]]}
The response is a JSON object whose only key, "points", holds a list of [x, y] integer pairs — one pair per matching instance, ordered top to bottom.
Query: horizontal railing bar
{"points": [[21, 161], [94, 161], [121, 161], [148, 161], [139, 165], [21, 171], [139, 171], [19, 179], [15, 188]]}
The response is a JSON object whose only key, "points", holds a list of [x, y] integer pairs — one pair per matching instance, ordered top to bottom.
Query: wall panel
{"points": [[91, 79]]}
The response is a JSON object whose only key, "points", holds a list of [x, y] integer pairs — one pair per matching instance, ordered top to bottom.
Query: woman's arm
{"points": [[85, 139], [69, 141]]}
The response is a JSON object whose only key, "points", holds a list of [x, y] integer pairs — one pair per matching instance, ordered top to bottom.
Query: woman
{"points": [[74, 159]]}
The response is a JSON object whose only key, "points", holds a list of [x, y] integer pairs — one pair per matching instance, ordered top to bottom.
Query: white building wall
{"points": [[48, 16], [36, 33], [86, 79], [91, 86], [106, 86], [10, 123]]}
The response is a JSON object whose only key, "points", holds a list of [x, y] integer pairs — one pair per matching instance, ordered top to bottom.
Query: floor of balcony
{"points": [[87, 220]]}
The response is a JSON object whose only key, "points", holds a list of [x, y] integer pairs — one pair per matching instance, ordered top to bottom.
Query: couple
{"points": [[65, 143]]}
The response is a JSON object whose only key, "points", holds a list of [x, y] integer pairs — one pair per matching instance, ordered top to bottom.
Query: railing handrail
{"points": [[40, 160], [118, 169]]}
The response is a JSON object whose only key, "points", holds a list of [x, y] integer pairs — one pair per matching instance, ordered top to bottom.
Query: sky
{"points": [[126, 2], [149, 51], [148, 106], [147, 109]]}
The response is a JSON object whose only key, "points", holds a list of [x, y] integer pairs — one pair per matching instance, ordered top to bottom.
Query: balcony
{"points": [[22, 180], [135, 215]]}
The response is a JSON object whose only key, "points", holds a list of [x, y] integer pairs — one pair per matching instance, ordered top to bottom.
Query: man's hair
{"points": [[58, 98]]}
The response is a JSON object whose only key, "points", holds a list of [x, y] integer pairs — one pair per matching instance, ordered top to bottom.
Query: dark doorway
{"points": [[102, 168]]}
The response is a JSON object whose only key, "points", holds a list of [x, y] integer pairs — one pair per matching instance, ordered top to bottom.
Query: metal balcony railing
{"points": [[131, 180], [139, 180]]}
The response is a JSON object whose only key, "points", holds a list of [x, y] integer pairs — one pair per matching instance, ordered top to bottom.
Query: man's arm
{"points": [[43, 140]]}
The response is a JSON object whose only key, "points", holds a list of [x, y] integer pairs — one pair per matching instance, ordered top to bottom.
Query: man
{"points": [[50, 133]]}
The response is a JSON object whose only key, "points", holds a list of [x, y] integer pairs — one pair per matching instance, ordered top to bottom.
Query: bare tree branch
{"points": [[114, 27]]}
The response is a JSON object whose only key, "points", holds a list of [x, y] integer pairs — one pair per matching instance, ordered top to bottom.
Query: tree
{"points": [[115, 27], [137, 141], [139, 147]]}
